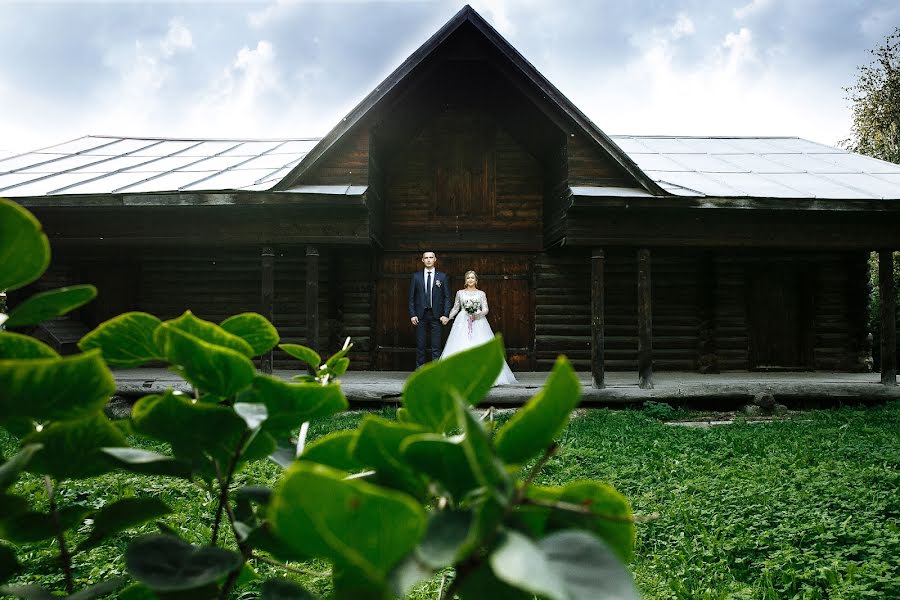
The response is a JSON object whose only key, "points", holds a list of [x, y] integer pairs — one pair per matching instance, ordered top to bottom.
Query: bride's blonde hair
{"points": [[473, 273]]}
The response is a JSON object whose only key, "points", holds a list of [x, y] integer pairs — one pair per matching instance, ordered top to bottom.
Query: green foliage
{"points": [[875, 99], [24, 249], [47, 305], [254, 329], [126, 340], [14, 345], [661, 411], [387, 504]]}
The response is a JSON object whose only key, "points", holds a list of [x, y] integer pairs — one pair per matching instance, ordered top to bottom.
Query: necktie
{"points": [[428, 290]]}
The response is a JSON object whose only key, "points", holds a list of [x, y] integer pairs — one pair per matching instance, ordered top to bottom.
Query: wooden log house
{"points": [[624, 253]]}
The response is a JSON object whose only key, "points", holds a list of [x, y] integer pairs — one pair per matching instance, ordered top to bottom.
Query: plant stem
{"points": [[536, 469], [226, 484], [578, 509], [64, 555], [289, 568], [462, 571]]}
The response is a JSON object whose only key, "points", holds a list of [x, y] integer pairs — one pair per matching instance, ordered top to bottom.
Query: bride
{"points": [[472, 330]]}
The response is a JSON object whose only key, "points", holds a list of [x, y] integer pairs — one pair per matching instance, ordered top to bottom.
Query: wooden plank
{"points": [[312, 298], [267, 300], [597, 301], [645, 316], [888, 317]]}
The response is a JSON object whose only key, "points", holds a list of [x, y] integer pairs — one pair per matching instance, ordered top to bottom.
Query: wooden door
{"points": [[505, 279], [780, 320]]}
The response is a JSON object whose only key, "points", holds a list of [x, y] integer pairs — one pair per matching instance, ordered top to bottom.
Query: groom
{"points": [[429, 306]]}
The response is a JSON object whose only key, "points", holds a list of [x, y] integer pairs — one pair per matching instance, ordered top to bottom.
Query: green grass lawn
{"points": [[808, 507]]}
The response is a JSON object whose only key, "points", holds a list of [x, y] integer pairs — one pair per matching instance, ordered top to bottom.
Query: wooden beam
{"points": [[312, 297], [267, 299], [597, 307], [888, 317], [645, 329], [707, 354]]}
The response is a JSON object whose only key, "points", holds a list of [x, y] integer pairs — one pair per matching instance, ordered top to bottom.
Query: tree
{"points": [[876, 104]]}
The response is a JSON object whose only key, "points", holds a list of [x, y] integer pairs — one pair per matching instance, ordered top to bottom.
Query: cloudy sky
{"points": [[293, 68]]}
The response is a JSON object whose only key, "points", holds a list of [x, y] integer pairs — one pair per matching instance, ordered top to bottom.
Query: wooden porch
{"points": [[374, 388]]}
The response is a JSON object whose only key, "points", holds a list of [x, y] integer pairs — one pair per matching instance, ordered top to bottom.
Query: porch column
{"points": [[312, 297], [267, 300], [597, 304], [888, 317], [645, 335]]}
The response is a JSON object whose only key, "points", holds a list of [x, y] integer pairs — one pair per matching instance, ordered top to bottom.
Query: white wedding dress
{"points": [[469, 332]]}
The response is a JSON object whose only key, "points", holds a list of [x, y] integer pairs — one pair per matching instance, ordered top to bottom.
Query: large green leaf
{"points": [[24, 249], [50, 304], [254, 329], [207, 331], [126, 341], [15, 345], [302, 353], [212, 368], [55, 388], [428, 394], [289, 405], [534, 426], [195, 430], [377, 446], [73, 449], [334, 450], [443, 459], [146, 462], [486, 468], [10, 470], [10, 506], [608, 513], [121, 515], [350, 522], [36, 526], [447, 533], [166, 563], [521, 563], [9, 566], [589, 569], [350, 583], [482, 583], [283, 589], [99, 590], [27, 592]]}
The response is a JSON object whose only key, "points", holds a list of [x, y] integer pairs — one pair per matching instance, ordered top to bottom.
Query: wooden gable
{"points": [[466, 136]]}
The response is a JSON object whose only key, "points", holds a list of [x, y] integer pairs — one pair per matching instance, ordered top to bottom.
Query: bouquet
{"points": [[471, 306]]}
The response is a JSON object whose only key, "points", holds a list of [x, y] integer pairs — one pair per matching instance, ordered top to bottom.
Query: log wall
{"points": [[682, 331]]}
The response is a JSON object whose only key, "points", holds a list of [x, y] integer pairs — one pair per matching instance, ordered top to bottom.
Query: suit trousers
{"points": [[429, 323]]}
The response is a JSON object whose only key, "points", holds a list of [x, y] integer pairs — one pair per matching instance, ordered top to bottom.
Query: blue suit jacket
{"points": [[440, 295]]}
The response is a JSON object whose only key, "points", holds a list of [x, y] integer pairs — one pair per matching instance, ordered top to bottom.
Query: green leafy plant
{"points": [[387, 504]]}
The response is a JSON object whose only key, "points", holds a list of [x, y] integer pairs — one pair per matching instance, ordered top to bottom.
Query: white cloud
{"points": [[755, 7], [683, 26], [178, 37], [739, 49]]}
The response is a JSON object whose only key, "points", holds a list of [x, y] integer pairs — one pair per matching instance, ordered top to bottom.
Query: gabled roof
{"points": [[468, 15], [100, 164], [718, 167], [760, 167]]}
